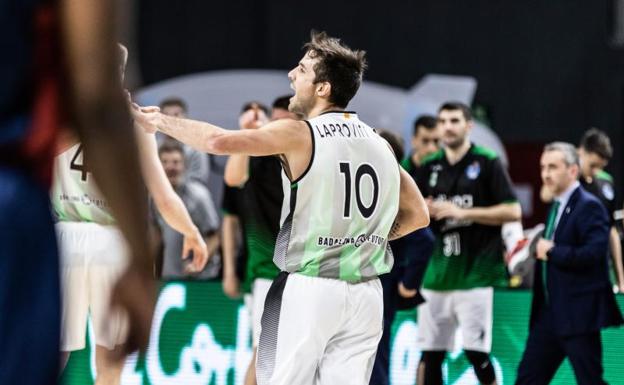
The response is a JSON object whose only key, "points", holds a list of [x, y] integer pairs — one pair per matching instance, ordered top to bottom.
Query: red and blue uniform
{"points": [[29, 120]]}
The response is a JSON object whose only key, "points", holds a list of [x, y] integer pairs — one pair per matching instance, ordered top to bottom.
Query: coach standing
{"points": [[572, 299]]}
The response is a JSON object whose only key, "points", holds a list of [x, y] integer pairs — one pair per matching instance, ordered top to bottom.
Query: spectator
{"points": [[425, 141], [197, 163], [200, 206]]}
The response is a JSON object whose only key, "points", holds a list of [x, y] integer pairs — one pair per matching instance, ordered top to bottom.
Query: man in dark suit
{"points": [[572, 299]]}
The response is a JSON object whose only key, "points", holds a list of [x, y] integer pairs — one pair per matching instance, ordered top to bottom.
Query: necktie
{"points": [[549, 231]]}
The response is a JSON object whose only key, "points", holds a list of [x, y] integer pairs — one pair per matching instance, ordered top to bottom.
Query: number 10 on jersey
{"points": [[362, 170]]}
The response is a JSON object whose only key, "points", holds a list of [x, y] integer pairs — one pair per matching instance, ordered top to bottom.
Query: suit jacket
{"points": [[580, 296]]}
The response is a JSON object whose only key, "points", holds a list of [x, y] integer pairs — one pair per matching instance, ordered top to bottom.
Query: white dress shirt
{"points": [[563, 199]]}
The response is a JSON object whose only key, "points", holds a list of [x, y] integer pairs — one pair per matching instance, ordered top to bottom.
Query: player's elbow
{"points": [[218, 144], [234, 180], [514, 212], [416, 218], [422, 219]]}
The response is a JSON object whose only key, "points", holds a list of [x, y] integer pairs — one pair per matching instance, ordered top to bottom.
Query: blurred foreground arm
{"points": [[100, 115]]}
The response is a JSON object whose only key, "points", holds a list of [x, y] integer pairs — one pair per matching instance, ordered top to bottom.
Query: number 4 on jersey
{"points": [[83, 168]]}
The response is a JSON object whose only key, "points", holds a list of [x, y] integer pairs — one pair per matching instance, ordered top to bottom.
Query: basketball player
{"points": [[35, 90], [595, 152], [346, 196], [470, 197], [93, 253]]}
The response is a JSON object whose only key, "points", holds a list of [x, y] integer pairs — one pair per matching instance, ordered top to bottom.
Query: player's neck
{"points": [[321, 108], [454, 155]]}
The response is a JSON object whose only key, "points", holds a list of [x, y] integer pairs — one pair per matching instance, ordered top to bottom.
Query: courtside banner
{"points": [[200, 337]]}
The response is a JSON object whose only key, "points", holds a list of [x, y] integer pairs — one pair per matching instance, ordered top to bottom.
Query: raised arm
{"points": [[237, 166], [168, 202], [413, 213]]}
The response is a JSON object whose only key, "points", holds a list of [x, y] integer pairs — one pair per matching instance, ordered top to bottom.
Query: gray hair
{"points": [[570, 155]]}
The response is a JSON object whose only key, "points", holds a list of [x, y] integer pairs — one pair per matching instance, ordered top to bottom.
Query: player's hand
{"points": [[147, 118], [252, 119], [443, 209], [195, 243], [542, 247], [231, 285], [405, 292], [134, 295]]}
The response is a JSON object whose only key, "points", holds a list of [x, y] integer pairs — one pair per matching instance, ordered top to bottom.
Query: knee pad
{"points": [[482, 366], [430, 367]]}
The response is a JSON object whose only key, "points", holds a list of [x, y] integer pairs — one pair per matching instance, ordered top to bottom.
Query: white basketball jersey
{"points": [[75, 196], [338, 214]]}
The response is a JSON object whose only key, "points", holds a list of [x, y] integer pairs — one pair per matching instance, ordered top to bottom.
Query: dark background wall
{"points": [[546, 69]]}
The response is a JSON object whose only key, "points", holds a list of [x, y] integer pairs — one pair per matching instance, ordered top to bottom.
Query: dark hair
{"points": [[338, 65], [173, 101], [282, 102], [251, 105], [454, 106], [427, 121], [596, 141], [395, 142], [171, 145]]}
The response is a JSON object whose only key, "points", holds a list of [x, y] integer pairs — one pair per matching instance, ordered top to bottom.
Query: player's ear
{"points": [[323, 89], [470, 124]]}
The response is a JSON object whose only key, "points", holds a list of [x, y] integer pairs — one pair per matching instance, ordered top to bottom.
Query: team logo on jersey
{"points": [[473, 171], [433, 179], [608, 192]]}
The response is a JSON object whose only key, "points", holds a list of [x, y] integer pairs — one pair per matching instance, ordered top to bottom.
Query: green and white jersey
{"points": [[75, 196], [337, 215]]}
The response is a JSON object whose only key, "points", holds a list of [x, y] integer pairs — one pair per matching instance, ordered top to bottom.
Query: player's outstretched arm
{"points": [[99, 114], [279, 137], [168, 202], [413, 213]]}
